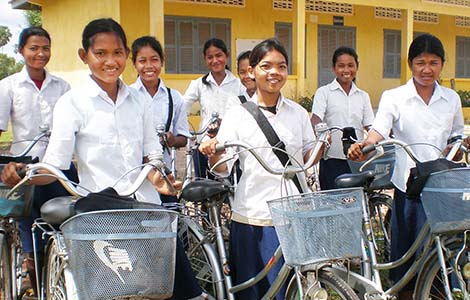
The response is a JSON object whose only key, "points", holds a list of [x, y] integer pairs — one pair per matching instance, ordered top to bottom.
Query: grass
{"points": [[5, 139]]}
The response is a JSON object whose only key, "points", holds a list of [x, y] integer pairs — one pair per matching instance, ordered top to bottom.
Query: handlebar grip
{"points": [[219, 148], [368, 148], [22, 172]]}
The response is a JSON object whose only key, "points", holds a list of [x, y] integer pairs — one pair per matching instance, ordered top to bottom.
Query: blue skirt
{"points": [[251, 247]]}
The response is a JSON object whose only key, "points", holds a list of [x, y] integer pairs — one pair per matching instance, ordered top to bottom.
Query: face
{"points": [[36, 52], [106, 58], [216, 59], [148, 64], [345, 69], [426, 69], [270, 73], [245, 78]]}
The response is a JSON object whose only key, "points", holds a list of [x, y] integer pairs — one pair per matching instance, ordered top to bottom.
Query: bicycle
{"points": [[134, 248], [11, 255], [442, 255], [316, 280]]}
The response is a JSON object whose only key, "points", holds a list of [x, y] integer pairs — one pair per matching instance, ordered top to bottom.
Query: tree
{"points": [[34, 17], [5, 35], [8, 66]]}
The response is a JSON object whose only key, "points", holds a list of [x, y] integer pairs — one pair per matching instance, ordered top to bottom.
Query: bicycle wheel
{"points": [[380, 207], [201, 263], [5, 270], [430, 281], [55, 283], [328, 286]]}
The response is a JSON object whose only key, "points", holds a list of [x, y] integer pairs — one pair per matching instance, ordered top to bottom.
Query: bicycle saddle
{"points": [[363, 179], [198, 191], [56, 210]]}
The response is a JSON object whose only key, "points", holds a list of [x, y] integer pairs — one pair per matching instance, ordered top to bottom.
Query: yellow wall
{"points": [[65, 19]]}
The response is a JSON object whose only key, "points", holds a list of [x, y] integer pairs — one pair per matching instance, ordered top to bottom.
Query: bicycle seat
{"points": [[363, 179], [198, 191], [56, 210]]}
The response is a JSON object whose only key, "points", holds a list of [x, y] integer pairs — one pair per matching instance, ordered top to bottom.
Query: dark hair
{"points": [[105, 25], [30, 31], [144, 41], [218, 43], [426, 43], [260, 50], [344, 50], [242, 56]]}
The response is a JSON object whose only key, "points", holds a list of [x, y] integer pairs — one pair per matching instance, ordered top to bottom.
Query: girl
{"points": [[243, 61], [212, 91], [28, 99], [341, 103], [167, 105], [421, 111], [108, 128], [253, 239]]}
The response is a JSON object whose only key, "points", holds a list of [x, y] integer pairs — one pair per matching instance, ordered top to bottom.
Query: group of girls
{"points": [[109, 128]]}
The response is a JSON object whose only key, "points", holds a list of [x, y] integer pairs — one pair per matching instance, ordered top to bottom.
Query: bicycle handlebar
{"points": [[214, 118], [322, 131], [154, 163]]}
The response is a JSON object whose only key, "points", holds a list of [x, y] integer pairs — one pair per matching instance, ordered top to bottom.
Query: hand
{"points": [[213, 128], [170, 139], [208, 147], [355, 152], [10, 175], [161, 185]]}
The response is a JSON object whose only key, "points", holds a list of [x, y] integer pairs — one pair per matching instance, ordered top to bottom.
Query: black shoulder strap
{"points": [[242, 98], [170, 110], [271, 136]]}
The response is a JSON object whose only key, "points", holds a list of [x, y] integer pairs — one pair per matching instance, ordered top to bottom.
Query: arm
{"points": [[191, 95], [319, 106]]}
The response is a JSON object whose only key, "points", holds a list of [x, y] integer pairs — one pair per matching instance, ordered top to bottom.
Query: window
{"points": [[283, 33], [330, 38], [184, 42], [392, 54], [462, 64]]}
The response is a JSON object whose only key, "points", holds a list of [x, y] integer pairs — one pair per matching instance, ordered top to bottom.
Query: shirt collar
{"points": [[24, 77], [228, 77], [139, 85], [336, 86], [94, 90], [437, 94], [280, 103]]}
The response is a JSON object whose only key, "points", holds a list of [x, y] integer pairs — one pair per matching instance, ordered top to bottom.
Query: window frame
{"points": [[396, 56], [176, 62]]}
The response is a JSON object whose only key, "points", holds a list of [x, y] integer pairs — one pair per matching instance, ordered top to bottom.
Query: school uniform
{"points": [[213, 99], [29, 108], [336, 108], [413, 122], [107, 139], [252, 238]]}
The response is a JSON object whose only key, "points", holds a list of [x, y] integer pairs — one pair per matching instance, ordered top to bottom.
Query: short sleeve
{"points": [[320, 101], [5, 103], [368, 113], [386, 114]]}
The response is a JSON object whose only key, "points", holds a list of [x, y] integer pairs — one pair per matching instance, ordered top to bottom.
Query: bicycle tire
{"points": [[380, 207], [203, 267], [5, 269], [54, 280], [429, 282], [335, 287]]}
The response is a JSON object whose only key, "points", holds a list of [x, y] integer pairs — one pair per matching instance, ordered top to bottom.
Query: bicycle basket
{"points": [[383, 168], [446, 200], [19, 204], [319, 226], [116, 254]]}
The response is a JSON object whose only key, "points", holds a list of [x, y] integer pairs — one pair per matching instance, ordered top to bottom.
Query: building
{"points": [[380, 30]]}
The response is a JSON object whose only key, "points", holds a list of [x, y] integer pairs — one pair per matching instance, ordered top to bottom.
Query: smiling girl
{"points": [[212, 91], [341, 103]]}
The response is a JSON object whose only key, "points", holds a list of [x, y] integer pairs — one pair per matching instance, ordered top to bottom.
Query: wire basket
{"points": [[383, 168], [446, 200], [19, 204], [319, 226], [117, 254]]}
